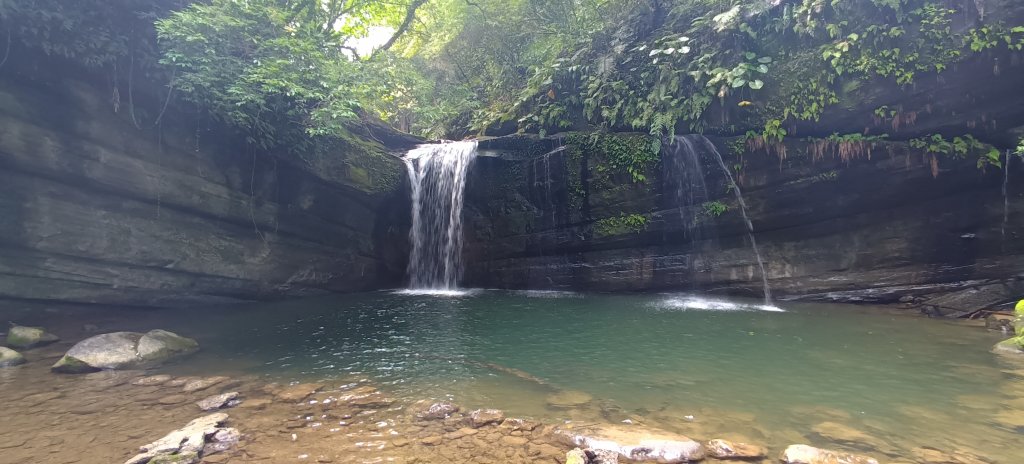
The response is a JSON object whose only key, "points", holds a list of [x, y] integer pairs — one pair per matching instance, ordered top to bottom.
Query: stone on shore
{"points": [[22, 337], [124, 350], [9, 357], [298, 392], [186, 444], [804, 454]]}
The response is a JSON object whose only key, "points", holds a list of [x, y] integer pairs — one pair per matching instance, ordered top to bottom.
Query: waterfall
{"points": [[689, 143], [437, 174], [684, 180]]}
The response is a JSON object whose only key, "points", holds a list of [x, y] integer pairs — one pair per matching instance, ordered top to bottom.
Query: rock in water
{"points": [[29, 337], [1011, 347], [124, 350], [9, 357], [218, 401], [437, 411], [482, 417], [636, 443], [186, 444], [723, 449], [804, 454], [576, 456]]}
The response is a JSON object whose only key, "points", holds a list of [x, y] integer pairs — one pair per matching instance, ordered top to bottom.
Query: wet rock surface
{"points": [[22, 337], [9, 357], [224, 400], [186, 444], [724, 449], [804, 454]]}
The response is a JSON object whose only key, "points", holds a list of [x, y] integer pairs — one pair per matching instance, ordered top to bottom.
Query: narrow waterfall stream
{"points": [[693, 144], [437, 174]]}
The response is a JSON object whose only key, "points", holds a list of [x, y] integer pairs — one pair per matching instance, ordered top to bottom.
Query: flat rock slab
{"points": [[151, 380], [202, 384], [298, 392], [218, 401], [638, 444], [724, 449], [804, 454]]}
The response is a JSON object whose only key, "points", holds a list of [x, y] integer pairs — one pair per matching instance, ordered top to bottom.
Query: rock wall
{"points": [[99, 209], [877, 228]]}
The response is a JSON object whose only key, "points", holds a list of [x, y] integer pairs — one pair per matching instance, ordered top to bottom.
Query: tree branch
{"points": [[410, 15]]}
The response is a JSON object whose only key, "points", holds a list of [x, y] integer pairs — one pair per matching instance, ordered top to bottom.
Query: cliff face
{"points": [[97, 210], [876, 228]]}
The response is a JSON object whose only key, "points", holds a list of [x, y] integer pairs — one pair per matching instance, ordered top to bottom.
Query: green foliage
{"points": [[959, 147], [1019, 151], [626, 154], [714, 208], [621, 225]]}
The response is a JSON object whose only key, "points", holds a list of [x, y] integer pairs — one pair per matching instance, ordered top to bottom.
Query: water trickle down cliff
{"points": [[437, 175]]}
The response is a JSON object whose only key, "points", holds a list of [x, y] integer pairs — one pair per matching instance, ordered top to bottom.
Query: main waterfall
{"points": [[437, 174]]}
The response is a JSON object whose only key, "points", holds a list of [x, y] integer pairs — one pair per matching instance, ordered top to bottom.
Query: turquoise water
{"points": [[669, 361]]}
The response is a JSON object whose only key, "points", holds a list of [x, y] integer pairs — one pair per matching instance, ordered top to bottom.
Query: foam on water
{"points": [[438, 292], [547, 294], [707, 304]]}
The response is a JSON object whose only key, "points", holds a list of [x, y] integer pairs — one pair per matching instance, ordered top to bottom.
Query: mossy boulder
{"points": [[29, 337], [124, 350], [9, 357]]}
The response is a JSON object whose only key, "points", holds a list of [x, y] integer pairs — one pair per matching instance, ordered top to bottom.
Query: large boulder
{"points": [[29, 337], [124, 350], [9, 357]]}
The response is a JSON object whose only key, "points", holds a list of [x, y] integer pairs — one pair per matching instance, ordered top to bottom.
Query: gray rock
{"points": [[29, 337], [124, 350], [9, 357], [218, 401], [183, 445], [804, 454]]}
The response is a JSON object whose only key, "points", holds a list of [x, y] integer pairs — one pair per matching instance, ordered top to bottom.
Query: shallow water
{"points": [[796, 373]]}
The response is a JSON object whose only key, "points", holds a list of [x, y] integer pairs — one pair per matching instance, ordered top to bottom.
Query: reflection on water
{"points": [[827, 375]]}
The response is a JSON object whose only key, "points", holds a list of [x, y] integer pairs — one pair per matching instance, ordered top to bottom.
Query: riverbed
{"points": [[875, 381]]}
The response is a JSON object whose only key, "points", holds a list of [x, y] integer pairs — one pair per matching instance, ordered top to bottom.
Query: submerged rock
{"points": [[29, 337], [1011, 347], [124, 350], [9, 357], [151, 380], [202, 384], [298, 392], [568, 399], [218, 401], [437, 411], [482, 417], [184, 445], [723, 449], [804, 454]]}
